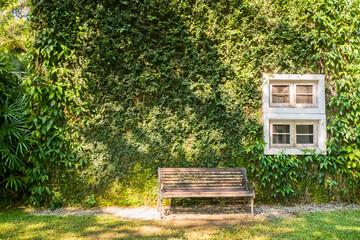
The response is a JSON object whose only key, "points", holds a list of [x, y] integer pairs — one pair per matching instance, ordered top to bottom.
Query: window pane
{"points": [[280, 89], [304, 89], [280, 93], [281, 99], [304, 99], [281, 128], [304, 129], [281, 139], [305, 139]]}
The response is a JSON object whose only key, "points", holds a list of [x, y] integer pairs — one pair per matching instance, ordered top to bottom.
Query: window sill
{"points": [[292, 151]]}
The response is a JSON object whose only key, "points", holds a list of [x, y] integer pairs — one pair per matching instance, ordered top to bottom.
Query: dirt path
{"points": [[201, 214]]}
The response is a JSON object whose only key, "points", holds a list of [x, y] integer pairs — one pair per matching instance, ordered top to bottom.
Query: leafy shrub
{"points": [[14, 131]]}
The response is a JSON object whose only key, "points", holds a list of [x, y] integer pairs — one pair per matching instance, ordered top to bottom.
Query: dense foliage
{"points": [[14, 32], [125, 87], [14, 129], [15, 137]]}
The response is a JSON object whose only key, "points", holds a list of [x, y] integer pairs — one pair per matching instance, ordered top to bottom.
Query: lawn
{"points": [[16, 224]]}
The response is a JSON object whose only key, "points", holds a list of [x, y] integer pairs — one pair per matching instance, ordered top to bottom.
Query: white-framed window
{"points": [[293, 94], [294, 113], [293, 134]]}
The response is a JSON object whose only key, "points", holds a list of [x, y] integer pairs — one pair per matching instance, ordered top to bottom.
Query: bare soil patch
{"points": [[201, 215]]}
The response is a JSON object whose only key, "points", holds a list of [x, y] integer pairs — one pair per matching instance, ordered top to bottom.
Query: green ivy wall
{"points": [[120, 88]]}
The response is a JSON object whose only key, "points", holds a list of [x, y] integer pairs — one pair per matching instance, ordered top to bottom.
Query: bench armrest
{"points": [[252, 187]]}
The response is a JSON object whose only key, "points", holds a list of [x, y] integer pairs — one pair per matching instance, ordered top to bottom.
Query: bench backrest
{"points": [[184, 178]]}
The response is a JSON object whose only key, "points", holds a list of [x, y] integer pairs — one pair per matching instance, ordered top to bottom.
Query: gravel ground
{"points": [[214, 212]]}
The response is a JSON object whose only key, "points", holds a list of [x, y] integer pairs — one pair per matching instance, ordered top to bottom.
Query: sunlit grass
{"points": [[16, 224]]}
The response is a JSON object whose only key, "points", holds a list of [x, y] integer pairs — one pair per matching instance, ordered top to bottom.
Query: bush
{"points": [[14, 131]]}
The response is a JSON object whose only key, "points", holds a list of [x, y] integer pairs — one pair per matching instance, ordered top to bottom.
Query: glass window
{"points": [[281, 93], [292, 94], [304, 94], [293, 133], [281, 134], [304, 134]]}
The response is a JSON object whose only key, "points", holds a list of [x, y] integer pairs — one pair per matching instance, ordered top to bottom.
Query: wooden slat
{"points": [[202, 170], [201, 174], [202, 177], [184, 181], [190, 181], [199, 181], [204, 181], [203, 185], [206, 189], [225, 190], [207, 194]]}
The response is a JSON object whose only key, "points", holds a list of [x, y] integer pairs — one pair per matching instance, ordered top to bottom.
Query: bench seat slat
{"points": [[202, 169], [202, 172], [203, 176], [203, 181], [203, 185], [204, 189], [208, 194]]}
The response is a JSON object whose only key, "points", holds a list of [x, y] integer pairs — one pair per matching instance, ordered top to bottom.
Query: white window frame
{"points": [[293, 86], [291, 95], [314, 95], [292, 113], [293, 134]]}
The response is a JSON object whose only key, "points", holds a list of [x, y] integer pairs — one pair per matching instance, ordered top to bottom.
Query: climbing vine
{"points": [[130, 86]]}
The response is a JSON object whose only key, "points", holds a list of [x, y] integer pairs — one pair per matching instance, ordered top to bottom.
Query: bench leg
{"points": [[158, 204], [160, 207], [252, 207]]}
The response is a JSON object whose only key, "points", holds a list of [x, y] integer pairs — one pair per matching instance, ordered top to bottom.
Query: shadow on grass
{"points": [[16, 224]]}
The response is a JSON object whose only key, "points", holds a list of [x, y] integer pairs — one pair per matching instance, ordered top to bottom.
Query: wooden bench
{"points": [[204, 182]]}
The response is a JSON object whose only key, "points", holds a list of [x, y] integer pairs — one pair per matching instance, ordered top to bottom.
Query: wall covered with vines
{"points": [[120, 88]]}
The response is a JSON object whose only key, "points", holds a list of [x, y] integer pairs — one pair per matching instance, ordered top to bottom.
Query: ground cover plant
{"points": [[117, 89], [15, 224]]}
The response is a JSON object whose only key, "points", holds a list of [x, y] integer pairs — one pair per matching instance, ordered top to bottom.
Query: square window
{"points": [[280, 94], [304, 94], [293, 95], [281, 134], [293, 134], [304, 134]]}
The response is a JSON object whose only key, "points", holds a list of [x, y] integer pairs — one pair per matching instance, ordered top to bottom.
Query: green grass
{"points": [[16, 224]]}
